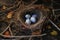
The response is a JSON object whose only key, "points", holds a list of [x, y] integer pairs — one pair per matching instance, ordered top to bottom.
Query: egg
{"points": [[34, 15], [27, 16], [33, 19], [28, 21]]}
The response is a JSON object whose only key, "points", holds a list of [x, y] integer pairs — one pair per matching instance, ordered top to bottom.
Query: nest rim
{"points": [[41, 19]]}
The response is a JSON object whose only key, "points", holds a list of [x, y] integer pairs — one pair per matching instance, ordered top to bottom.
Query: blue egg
{"points": [[34, 15], [27, 16], [33, 19], [28, 21]]}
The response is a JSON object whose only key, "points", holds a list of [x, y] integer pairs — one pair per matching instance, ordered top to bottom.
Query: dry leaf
{"points": [[10, 15]]}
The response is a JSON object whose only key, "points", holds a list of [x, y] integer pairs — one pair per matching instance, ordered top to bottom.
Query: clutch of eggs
{"points": [[30, 19]]}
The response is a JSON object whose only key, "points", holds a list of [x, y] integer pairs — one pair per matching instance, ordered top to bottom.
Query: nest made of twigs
{"points": [[41, 15]]}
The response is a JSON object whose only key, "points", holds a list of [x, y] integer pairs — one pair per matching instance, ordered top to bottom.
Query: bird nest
{"points": [[37, 9], [15, 24]]}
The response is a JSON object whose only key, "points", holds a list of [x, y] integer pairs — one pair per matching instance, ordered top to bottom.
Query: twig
{"points": [[54, 25], [6, 28], [10, 31], [24, 36]]}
